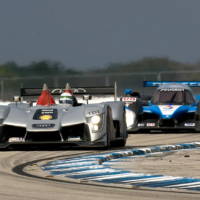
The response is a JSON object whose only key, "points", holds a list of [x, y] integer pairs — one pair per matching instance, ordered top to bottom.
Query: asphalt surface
{"points": [[15, 186]]}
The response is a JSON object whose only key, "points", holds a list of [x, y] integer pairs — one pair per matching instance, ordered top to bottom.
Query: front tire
{"points": [[198, 118], [108, 128], [1, 134], [119, 143]]}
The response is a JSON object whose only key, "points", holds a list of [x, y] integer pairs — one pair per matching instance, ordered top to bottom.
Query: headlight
{"points": [[95, 119], [95, 122]]}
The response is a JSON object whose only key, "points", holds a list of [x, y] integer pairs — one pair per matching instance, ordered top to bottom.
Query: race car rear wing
{"points": [[159, 83], [103, 90]]}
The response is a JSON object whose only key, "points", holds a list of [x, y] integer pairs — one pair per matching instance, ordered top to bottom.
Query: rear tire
{"points": [[1, 134]]}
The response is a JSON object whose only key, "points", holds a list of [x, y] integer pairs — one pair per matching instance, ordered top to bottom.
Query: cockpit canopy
{"points": [[177, 96]]}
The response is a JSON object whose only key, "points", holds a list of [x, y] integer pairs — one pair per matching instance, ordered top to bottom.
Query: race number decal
{"points": [[129, 99]]}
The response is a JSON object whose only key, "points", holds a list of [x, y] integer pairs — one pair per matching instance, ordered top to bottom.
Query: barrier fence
{"points": [[10, 87]]}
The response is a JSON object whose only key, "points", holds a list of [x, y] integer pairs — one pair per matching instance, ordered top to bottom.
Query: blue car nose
{"points": [[166, 116]]}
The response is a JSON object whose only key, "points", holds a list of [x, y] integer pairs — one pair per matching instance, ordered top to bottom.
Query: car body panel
{"points": [[173, 106], [81, 125]]}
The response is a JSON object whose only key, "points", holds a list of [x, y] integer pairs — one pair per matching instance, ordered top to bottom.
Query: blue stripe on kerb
{"points": [[188, 146], [138, 152], [69, 162], [68, 167], [97, 168], [86, 169], [100, 174], [128, 179], [167, 183], [186, 185], [195, 188]]}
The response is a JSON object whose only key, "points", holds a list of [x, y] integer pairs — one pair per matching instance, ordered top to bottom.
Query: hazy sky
{"points": [[86, 33]]}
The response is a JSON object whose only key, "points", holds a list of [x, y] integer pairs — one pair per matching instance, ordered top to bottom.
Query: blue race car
{"points": [[172, 106]]}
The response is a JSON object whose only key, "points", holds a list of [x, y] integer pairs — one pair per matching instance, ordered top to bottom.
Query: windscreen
{"points": [[172, 96]]}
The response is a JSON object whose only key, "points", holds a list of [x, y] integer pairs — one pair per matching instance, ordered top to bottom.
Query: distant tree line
{"points": [[150, 64], [41, 68], [49, 68]]}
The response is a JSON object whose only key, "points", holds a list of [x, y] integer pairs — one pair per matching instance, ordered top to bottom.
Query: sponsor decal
{"points": [[158, 83], [172, 89], [75, 90], [129, 99], [168, 109], [91, 113], [45, 114], [46, 117], [151, 124], [189, 124], [43, 125], [140, 125], [16, 139], [74, 139]]}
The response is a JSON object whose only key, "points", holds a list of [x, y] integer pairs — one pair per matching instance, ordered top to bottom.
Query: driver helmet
{"points": [[66, 98]]}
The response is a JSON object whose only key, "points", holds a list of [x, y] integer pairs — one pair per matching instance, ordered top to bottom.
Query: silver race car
{"points": [[67, 122]]}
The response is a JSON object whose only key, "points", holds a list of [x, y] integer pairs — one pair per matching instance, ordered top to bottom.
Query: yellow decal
{"points": [[46, 117]]}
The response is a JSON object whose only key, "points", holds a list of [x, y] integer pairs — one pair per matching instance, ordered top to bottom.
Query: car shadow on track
{"points": [[162, 132], [54, 147]]}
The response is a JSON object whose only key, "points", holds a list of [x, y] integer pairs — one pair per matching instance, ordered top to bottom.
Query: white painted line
{"points": [[72, 164], [78, 168], [94, 171], [116, 176], [155, 179], [183, 185]]}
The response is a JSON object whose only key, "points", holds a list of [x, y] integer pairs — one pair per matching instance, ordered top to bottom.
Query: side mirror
{"points": [[87, 97], [146, 103], [149, 103]]}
